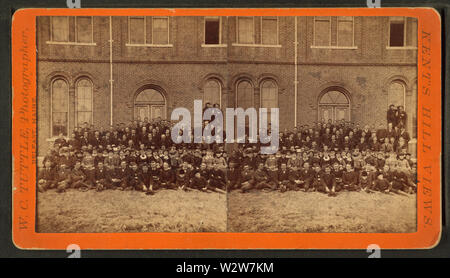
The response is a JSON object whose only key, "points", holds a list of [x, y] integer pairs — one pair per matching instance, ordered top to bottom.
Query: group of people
{"points": [[396, 116], [326, 157]]}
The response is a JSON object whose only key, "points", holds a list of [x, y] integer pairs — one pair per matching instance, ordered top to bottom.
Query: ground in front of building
{"points": [[113, 211], [176, 211], [313, 212]]}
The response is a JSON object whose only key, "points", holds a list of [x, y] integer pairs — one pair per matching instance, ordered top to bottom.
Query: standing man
{"points": [[392, 115], [401, 117]]}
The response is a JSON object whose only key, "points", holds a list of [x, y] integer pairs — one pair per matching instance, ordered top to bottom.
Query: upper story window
{"points": [[59, 28], [84, 29], [71, 30], [136, 30], [160, 30], [212, 30], [245, 30], [269, 30], [151, 31], [257, 31], [322, 31], [345, 31], [334, 32], [402, 32]]}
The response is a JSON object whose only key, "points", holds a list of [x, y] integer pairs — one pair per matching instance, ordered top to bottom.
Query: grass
{"points": [[130, 211], [175, 211], [313, 212]]}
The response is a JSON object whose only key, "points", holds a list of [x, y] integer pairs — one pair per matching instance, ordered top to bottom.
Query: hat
{"points": [[143, 156]]}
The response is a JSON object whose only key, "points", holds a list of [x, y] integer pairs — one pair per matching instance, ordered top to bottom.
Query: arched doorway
{"points": [[150, 104], [334, 105]]}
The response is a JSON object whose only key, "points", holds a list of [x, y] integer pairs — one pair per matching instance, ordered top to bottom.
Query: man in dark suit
{"points": [[391, 115], [124, 174], [306, 176], [46, 177]]}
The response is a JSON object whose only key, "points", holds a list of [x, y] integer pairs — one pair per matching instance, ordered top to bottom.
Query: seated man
{"points": [[88, 168], [337, 173], [124, 175], [112, 176], [184, 176], [306, 176], [46, 177], [78, 177], [101, 177], [233, 177], [294, 177], [62, 178], [144, 178], [262, 178], [247, 179], [350, 179], [167, 180], [155, 181], [198, 181], [217, 181], [284, 181], [317, 181], [134, 182], [328, 182], [365, 182], [401, 182], [381, 184]]}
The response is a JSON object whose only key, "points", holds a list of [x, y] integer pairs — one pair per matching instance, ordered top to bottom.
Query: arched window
{"points": [[212, 92], [245, 93], [396, 93], [269, 94], [83, 101], [149, 104], [333, 106], [59, 107]]}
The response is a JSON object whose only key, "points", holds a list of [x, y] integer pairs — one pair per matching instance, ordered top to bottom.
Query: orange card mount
{"points": [[30, 69]]}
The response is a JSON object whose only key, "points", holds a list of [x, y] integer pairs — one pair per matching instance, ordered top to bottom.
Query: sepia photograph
{"points": [[242, 124]]}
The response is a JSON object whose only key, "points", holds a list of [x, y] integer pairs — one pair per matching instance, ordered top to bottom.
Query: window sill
{"points": [[73, 43], [148, 45], [214, 45], [257, 45], [333, 47], [401, 47]]}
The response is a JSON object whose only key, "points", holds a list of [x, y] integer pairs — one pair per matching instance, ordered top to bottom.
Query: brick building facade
{"points": [[339, 67]]}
